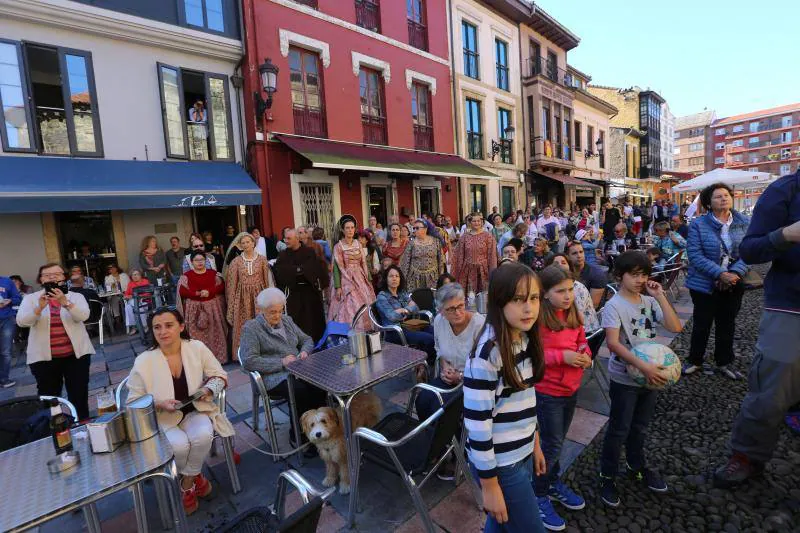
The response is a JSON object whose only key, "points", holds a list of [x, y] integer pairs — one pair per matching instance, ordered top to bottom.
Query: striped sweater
{"points": [[500, 421]]}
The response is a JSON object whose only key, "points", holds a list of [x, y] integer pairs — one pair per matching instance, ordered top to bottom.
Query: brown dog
{"points": [[324, 427]]}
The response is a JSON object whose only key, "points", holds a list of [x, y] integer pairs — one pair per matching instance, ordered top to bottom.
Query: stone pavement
{"points": [[385, 504]]}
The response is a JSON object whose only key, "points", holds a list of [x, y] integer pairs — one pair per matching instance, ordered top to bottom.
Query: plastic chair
{"points": [[94, 305], [332, 329], [260, 393], [121, 395], [408, 447], [264, 519]]}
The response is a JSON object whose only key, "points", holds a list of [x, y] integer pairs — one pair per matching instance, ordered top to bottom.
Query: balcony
{"points": [[309, 3], [368, 15], [417, 35], [535, 66], [310, 121], [374, 129], [423, 137], [474, 145]]}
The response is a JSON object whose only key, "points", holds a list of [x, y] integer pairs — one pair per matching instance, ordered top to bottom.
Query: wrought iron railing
{"points": [[368, 15], [417, 35], [472, 64], [535, 66], [310, 121], [374, 129], [423, 137], [474, 145]]}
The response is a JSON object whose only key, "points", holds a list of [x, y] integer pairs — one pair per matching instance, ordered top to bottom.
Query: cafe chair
{"points": [[424, 298], [142, 307], [373, 313], [97, 314], [598, 368], [260, 393], [121, 396], [14, 414], [411, 448], [266, 519]]}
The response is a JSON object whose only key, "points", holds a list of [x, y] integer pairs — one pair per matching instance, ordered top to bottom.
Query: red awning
{"points": [[324, 153], [567, 180]]}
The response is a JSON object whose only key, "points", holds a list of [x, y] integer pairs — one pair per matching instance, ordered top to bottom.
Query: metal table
{"points": [[325, 370], [31, 495]]}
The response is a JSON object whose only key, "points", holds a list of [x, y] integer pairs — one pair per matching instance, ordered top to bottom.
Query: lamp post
{"points": [[269, 84], [505, 141]]}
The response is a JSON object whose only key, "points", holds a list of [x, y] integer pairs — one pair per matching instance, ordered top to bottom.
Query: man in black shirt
{"points": [[611, 217], [591, 276]]}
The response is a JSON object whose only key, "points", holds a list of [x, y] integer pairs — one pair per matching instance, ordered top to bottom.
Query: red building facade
{"points": [[355, 75]]}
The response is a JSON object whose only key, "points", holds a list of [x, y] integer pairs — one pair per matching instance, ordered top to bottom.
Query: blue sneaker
{"points": [[565, 496], [549, 516]]}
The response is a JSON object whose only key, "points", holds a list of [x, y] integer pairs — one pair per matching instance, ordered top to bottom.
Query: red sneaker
{"points": [[237, 458], [202, 486], [190, 503]]}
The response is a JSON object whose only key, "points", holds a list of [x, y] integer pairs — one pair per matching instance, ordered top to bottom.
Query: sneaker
{"points": [[689, 369], [708, 370], [730, 373], [7, 383], [447, 470], [738, 470], [650, 478], [202, 486], [608, 491], [565, 496], [189, 498], [549, 516]]}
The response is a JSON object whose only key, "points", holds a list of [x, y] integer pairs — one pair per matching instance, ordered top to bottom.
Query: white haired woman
{"points": [[271, 341]]}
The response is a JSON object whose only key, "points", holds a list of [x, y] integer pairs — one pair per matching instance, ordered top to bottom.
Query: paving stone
{"points": [[125, 363], [585, 426]]}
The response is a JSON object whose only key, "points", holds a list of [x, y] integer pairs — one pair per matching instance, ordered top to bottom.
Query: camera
{"points": [[49, 286]]}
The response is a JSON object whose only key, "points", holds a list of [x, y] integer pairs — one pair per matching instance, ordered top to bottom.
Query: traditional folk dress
{"points": [[394, 252], [474, 259], [422, 263], [350, 273], [244, 279], [205, 316]]}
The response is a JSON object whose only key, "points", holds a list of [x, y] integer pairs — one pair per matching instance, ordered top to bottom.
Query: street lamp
{"points": [[269, 84], [505, 141], [599, 145]]}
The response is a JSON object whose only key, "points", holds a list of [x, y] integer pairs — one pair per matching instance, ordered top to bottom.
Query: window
{"points": [[205, 14], [368, 15], [417, 32], [469, 38], [501, 59], [552, 66], [307, 95], [48, 101], [373, 113], [422, 117], [546, 119], [503, 122], [786, 122], [753, 127], [531, 128], [557, 130], [204, 131], [720, 131], [567, 133], [474, 135], [676, 135], [578, 137], [786, 137], [590, 138], [752, 140], [738, 142], [719, 146], [696, 147], [676, 151], [786, 153], [601, 155], [737, 158], [627, 159], [754, 159], [719, 160], [694, 161], [677, 164], [636, 167], [752, 169], [785, 169], [477, 198]]}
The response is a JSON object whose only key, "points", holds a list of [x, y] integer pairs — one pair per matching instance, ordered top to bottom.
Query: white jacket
{"points": [[39, 338]]}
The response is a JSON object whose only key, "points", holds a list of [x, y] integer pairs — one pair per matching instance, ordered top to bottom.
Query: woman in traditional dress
{"points": [[395, 245], [475, 257], [152, 260], [422, 261], [245, 277], [352, 287], [201, 300]]}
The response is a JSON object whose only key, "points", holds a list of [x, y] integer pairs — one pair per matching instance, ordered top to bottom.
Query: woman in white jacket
{"points": [[59, 348], [173, 371]]}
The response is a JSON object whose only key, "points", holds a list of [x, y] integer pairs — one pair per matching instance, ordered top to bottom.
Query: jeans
{"points": [[718, 308], [8, 328], [422, 339], [69, 372], [773, 386], [427, 403], [631, 410], [554, 414], [191, 442], [523, 511]]}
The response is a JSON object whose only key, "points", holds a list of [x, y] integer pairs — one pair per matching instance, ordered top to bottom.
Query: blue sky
{"points": [[732, 56]]}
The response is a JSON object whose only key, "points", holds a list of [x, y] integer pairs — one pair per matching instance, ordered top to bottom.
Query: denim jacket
{"points": [[705, 251], [388, 305]]}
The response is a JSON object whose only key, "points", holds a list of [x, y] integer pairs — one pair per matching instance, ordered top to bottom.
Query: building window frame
{"points": [[364, 8], [183, 15], [417, 25], [471, 52], [502, 69], [303, 113], [375, 115], [505, 119], [473, 127], [423, 130], [578, 136]]}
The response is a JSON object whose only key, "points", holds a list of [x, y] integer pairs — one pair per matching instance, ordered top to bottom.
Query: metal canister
{"points": [[481, 301], [357, 341], [140, 418], [107, 432]]}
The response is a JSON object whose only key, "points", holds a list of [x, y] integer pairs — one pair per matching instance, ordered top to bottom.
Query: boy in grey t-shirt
{"points": [[629, 319]]}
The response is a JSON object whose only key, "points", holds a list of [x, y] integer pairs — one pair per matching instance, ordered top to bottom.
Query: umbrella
{"points": [[734, 178]]}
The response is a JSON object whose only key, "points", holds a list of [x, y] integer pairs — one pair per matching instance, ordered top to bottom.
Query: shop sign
{"points": [[197, 200]]}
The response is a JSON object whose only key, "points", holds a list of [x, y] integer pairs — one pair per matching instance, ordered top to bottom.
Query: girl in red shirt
{"points": [[566, 354]]}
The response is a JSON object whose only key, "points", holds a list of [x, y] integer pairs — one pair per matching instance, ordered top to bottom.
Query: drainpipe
{"points": [[454, 104], [524, 118]]}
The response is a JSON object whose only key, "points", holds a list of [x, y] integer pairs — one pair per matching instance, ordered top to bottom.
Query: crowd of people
{"points": [[545, 278]]}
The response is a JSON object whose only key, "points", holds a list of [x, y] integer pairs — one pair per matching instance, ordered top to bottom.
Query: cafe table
{"points": [[344, 382], [32, 495]]}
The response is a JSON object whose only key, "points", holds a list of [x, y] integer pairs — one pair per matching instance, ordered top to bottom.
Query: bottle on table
{"points": [[59, 427]]}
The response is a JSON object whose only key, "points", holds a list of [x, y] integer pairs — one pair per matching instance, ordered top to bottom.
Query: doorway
{"points": [[379, 198], [477, 198], [428, 200], [507, 202], [215, 220], [87, 239]]}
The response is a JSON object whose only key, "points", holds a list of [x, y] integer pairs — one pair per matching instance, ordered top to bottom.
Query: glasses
{"points": [[419, 227], [455, 309]]}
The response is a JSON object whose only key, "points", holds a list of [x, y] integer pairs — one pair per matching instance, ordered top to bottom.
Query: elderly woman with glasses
{"points": [[423, 260], [454, 329], [271, 341]]}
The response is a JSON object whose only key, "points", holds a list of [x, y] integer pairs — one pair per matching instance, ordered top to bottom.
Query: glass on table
{"points": [[106, 403]]}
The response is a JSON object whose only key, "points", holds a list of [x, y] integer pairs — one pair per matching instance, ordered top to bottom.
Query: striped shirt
{"points": [[60, 345], [500, 421]]}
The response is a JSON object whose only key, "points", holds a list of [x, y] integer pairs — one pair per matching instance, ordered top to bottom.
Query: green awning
{"points": [[323, 153]]}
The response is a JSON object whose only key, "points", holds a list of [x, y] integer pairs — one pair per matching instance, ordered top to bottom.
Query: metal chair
{"points": [[94, 305], [142, 307], [372, 311], [597, 370], [260, 393], [121, 395], [65, 403], [408, 447], [304, 520]]}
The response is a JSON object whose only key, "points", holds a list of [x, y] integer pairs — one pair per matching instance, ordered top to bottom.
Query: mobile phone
{"points": [[49, 286], [196, 396]]}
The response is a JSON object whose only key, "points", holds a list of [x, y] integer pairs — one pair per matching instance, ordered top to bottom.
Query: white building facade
{"points": [[667, 137]]}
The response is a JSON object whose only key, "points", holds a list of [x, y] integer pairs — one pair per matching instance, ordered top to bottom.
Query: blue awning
{"points": [[37, 184]]}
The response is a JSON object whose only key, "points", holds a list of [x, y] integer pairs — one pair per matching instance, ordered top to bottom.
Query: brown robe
{"points": [[305, 275]]}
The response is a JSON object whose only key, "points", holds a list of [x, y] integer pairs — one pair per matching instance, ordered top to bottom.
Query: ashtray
{"points": [[348, 359], [63, 461]]}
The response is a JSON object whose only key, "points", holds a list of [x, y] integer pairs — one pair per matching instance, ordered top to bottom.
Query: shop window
{"points": [[48, 101], [196, 114]]}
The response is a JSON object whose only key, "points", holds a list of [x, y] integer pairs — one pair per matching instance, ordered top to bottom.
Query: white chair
{"points": [[94, 304], [260, 393], [65, 403]]}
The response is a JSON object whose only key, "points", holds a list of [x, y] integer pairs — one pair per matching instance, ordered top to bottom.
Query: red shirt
{"points": [[207, 281], [134, 284], [60, 345]]}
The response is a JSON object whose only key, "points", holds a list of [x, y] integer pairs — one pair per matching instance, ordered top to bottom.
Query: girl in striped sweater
{"points": [[500, 403]]}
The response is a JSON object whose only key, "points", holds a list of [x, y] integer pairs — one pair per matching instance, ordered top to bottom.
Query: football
{"points": [[658, 354]]}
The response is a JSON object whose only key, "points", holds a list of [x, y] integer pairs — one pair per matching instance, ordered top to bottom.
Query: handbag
{"points": [[752, 280], [414, 324]]}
